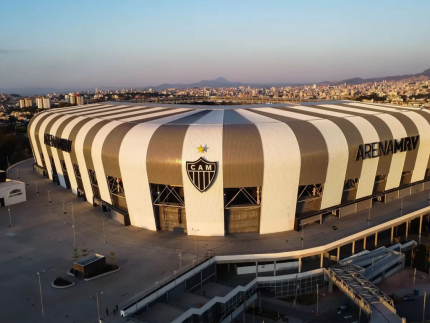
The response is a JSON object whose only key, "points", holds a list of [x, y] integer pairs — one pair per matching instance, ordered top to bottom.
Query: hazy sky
{"points": [[53, 43]]}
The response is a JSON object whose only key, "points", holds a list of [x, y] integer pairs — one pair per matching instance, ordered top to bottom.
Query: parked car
{"points": [[409, 297]]}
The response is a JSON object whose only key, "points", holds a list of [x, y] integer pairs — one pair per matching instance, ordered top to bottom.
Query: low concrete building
{"points": [[11, 192], [90, 265]]}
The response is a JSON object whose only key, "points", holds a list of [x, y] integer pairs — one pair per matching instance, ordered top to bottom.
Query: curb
{"points": [[18, 163], [69, 273], [105, 274], [62, 287]]}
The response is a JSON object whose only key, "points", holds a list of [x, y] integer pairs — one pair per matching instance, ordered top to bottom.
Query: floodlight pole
{"points": [[10, 218], [41, 298]]}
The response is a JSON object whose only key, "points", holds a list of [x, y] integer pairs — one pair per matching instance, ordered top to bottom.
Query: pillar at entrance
{"points": [[407, 224], [392, 234], [376, 239], [364, 243], [353, 247], [338, 254], [322, 260], [300, 265]]}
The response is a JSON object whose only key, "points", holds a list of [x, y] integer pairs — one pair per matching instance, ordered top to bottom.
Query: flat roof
{"points": [[9, 183], [89, 259]]}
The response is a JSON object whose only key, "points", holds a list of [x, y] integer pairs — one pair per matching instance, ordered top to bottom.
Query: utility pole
{"points": [[10, 218], [73, 226], [104, 235], [41, 298], [317, 299]]}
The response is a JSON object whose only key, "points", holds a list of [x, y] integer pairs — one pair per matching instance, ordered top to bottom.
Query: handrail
{"points": [[164, 282], [348, 289], [217, 299]]}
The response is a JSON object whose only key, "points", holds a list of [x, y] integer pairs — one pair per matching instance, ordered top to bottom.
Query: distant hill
{"points": [[412, 77], [218, 82], [221, 82]]}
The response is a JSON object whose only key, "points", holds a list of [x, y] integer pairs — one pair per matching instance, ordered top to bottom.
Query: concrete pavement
{"points": [[41, 238]]}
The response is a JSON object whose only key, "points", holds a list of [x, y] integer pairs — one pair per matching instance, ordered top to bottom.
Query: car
{"points": [[408, 297]]}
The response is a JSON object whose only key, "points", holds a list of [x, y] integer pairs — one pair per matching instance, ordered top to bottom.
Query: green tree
{"points": [[84, 252], [75, 254]]}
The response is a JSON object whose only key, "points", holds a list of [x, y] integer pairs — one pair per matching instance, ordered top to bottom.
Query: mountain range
{"points": [[222, 82]]}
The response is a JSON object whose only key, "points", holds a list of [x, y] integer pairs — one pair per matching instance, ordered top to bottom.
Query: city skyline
{"points": [[144, 44]]}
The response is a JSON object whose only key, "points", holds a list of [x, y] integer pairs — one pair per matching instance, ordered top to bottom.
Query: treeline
{"points": [[13, 144]]}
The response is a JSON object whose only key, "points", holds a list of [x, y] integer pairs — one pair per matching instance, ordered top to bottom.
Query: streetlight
{"points": [[49, 197], [64, 211], [10, 218], [73, 225], [303, 233], [104, 236], [195, 242], [180, 262], [156, 288], [135, 295], [41, 298], [317, 299], [98, 307]]}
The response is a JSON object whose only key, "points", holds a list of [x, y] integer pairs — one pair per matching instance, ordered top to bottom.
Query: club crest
{"points": [[201, 173]]}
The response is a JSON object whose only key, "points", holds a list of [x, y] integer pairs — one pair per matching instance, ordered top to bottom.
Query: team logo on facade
{"points": [[201, 173], [15, 192]]}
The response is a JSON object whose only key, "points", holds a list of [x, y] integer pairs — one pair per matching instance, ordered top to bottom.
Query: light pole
{"points": [[37, 192], [49, 197], [401, 207], [64, 211], [368, 217], [10, 218], [73, 226], [303, 233], [104, 236], [195, 241], [180, 261], [135, 295], [41, 297], [317, 299], [98, 307]]}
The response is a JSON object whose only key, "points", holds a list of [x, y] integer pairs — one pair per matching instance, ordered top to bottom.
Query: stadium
{"points": [[252, 168]]}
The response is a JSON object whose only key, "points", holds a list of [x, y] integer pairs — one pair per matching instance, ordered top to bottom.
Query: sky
{"points": [[137, 43]]}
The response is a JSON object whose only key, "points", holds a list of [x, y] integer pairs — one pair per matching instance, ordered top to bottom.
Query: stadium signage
{"points": [[59, 143], [387, 147], [201, 173]]}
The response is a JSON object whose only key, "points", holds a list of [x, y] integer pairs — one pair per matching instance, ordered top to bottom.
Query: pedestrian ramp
{"points": [[356, 276]]}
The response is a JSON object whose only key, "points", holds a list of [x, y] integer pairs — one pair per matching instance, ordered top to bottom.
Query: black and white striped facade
{"points": [[273, 157]]}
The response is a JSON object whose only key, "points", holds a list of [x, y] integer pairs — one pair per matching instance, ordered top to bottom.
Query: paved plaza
{"points": [[41, 239]]}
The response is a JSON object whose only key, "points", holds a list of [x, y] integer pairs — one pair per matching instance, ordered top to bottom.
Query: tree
{"points": [[12, 119], [84, 252], [75, 254], [112, 257]]}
